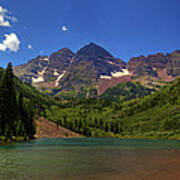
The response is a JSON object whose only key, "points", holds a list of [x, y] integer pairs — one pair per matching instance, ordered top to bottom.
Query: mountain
{"points": [[90, 64], [148, 65], [92, 68], [154, 68], [44, 71], [63, 71], [30, 72]]}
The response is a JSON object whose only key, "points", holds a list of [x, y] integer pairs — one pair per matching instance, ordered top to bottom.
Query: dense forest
{"points": [[19, 105], [16, 112], [153, 116]]}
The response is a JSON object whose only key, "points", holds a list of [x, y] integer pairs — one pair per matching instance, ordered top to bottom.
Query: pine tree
{"points": [[9, 102], [16, 117]]}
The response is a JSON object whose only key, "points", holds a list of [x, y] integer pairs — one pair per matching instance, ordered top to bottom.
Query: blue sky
{"points": [[126, 28]]}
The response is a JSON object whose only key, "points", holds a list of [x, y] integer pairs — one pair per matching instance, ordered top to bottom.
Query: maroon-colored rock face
{"points": [[60, 60], [158, 61], [121, 63], [134, 63], [149, 66], [173, 68], [106, 83]]}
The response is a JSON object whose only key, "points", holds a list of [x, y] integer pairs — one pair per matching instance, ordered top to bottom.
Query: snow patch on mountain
{"points": [[46, 59], [110, 62], [124, 72], [41, 73], [56, 73], [105, 77], [59, 78], [38, 79]]}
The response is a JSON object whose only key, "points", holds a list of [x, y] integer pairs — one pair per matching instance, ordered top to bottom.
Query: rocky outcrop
{"points": [[147, 66], [173, 68]]}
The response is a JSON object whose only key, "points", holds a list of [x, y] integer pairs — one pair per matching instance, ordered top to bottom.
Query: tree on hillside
{"points": [[9, 103], [16, 114]]}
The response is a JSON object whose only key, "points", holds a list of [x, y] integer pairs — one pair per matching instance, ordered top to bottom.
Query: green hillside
{"points": [[126, 91], [39, 100], [156, 115], [153, 116]]}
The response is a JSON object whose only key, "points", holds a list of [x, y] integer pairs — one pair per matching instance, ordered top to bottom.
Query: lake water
{"points": [[91, 159]]}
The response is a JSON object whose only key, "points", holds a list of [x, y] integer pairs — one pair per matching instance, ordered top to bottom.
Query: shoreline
{"points": [[66, 137]]}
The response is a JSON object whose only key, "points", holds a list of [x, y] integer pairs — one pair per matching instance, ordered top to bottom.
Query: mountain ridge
{"points": [[93, 67]]}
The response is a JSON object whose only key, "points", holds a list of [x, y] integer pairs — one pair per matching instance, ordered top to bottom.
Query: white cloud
{"points": [[3, 10], [5, 19], [3, 22], [64, 28], [11, 42], [29, 46]]}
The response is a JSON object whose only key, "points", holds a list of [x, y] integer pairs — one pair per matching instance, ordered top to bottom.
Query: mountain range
{"points": [[94, 69]]}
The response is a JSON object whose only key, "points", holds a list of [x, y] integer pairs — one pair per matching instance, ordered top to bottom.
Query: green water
{"points": [[88, 158]]}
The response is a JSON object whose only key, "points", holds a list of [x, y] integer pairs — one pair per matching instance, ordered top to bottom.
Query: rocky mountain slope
{"points": [[91, 64], [93, 68]]}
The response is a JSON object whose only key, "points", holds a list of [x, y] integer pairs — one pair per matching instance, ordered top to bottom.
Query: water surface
{"points": [[88, 158]]}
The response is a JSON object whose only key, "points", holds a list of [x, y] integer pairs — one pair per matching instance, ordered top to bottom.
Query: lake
{"points": [[91, 159]]}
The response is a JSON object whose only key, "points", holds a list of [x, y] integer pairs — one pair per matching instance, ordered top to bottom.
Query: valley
{"points": [[90, 93]]}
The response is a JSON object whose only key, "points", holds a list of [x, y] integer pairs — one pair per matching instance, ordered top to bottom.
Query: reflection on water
{"points": [[87, 158]]}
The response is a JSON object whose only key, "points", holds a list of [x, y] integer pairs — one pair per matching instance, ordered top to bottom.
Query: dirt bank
{"points": [[48, 129]]}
